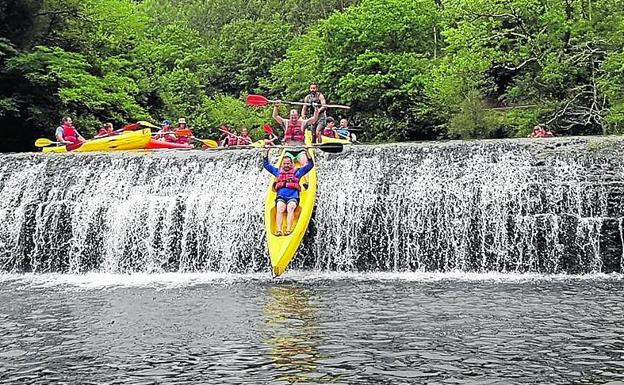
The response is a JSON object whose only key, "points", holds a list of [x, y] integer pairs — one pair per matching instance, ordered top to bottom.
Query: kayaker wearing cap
{"points": [[330, 129], [294, 131], [166, 132], [182, 132], [67, 134], [244, 139], [287, 188]]}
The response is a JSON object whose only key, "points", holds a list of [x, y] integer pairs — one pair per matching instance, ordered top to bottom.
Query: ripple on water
{"points": [[336, 328]]}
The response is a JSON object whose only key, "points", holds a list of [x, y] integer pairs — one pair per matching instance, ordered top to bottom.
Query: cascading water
{"points": [[546, 206]]}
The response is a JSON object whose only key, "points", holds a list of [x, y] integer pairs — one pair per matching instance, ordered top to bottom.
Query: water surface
{"points": [[311, 328]]}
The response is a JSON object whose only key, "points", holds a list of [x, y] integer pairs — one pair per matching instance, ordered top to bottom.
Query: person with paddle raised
{"points": [[313, 100], [294, 132], [67, 134], [287, 188]]}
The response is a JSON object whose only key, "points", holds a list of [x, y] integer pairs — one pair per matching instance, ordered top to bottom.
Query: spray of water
{"points": [[510, 206]]}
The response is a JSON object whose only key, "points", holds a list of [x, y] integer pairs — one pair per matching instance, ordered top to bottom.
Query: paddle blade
{"points": [[257, 100], [143, 123], [130, 127], [267, 128], [183, 132], [43, 142], [210, 143], [332, 148]]}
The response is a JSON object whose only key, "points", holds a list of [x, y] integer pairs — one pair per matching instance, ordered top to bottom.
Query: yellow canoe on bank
{"points": [[127, 140], [282, 249]]}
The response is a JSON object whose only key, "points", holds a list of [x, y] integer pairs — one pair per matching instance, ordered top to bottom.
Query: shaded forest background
{"points": [[410, 69]]}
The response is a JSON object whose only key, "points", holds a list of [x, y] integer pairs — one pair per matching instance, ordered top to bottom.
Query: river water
{"points": [[351, 328]]}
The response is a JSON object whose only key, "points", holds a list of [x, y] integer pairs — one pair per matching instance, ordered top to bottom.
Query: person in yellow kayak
{"points": [[315, 99], [330, 128], [105, 130], [294, 131], [166, 132], [183, 132], [344, 132], [67, 134], [287, 188]]}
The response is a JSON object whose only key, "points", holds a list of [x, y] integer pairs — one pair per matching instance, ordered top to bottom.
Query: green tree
{"points": [[372, 56]]}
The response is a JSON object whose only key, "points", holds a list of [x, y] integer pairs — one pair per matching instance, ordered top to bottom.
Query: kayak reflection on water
{"points": [[292, 333]]}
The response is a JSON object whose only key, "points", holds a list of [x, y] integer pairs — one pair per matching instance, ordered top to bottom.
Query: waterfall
{"points": [[550, 206]]}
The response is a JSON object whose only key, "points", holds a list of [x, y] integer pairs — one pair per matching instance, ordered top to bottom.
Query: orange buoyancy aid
{"points": [[287, 179]]}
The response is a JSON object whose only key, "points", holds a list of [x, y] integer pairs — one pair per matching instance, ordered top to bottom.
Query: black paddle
{"points": [[332, 148]]}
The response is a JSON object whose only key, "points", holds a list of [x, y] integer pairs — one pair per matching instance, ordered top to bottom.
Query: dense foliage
{"points": [[410, 69]]}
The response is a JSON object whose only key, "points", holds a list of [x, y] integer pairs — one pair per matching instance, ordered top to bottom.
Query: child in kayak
{"points": [[330, 129], [344, 131], [166, 132], [287, 188]]}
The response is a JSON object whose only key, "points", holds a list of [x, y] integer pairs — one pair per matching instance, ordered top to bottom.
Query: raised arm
{"points": [[304, 109], [276, 114], [314, 117], [268, 166], [305, 169]]}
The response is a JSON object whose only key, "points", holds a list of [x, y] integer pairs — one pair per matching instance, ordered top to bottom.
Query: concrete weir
{"points": [[544, 205]]}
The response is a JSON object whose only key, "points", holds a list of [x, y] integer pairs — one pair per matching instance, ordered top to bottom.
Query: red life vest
{"points": [[294, 131], [102, 132], [329, 132], [70, 134], [232, 140], [244, 140], [287, 179]]}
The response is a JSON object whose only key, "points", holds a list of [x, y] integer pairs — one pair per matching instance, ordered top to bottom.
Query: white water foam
{"points": [[94, 281]]}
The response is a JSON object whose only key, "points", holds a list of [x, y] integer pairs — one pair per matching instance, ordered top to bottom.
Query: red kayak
{"points": [[159, 144]]}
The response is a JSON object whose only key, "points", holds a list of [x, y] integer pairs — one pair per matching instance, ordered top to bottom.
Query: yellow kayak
{"points": [[328, 139], [127, 140], [283, 248]]}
